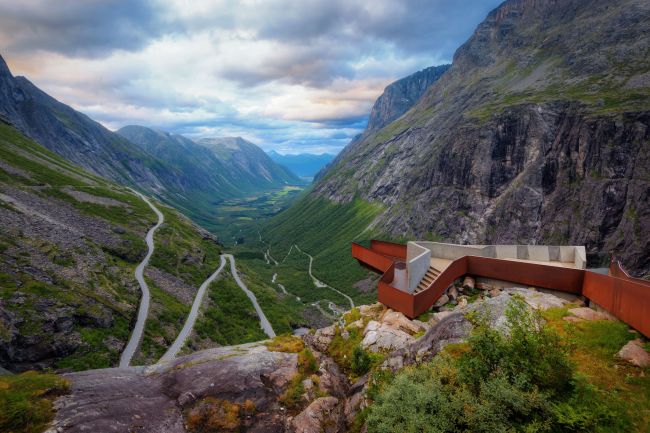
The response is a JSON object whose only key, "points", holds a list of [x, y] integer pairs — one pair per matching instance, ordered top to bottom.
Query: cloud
{"points": [[88, 28], [290, 74]]}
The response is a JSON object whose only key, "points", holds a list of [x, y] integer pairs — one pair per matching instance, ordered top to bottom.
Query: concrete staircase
{"points": [[428, 278]]}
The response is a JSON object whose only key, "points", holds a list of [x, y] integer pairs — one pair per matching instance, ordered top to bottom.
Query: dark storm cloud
{"points": [[88, 28]]}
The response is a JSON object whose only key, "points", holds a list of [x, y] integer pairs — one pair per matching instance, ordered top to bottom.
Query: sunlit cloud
{"points": [[290, 76]]}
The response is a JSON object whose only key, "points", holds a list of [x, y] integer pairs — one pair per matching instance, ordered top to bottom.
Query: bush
{"points": [[492, 352], [361, 362], [521, 381], [215, 415]]}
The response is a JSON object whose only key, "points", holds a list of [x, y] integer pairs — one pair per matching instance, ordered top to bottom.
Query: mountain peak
{"points": [[4, 69], [401, 95]]}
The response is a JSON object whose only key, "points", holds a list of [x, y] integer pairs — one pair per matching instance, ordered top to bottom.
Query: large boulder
{"points": [[586, 313], [398, 320], [454, 328], [382, 337], [322, 338], [634, 353], [154, 399], [323, 415]]}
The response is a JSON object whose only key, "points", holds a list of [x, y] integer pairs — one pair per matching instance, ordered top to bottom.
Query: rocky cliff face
{"points": [[401, 95], [538, 133]]}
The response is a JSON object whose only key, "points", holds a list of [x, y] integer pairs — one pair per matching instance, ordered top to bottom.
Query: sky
{"points": [[289, 75]]}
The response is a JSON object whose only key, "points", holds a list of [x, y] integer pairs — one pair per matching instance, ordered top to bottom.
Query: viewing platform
{"points": [[415, 275]]}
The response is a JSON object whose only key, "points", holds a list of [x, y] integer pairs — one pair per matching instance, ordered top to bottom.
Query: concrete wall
{"points": [[452, 251], [419, 253], [540, 253], [580, 259], [418, 261]]}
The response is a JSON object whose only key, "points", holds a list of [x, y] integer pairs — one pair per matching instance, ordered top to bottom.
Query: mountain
{"points": [[400, 96], [539, 132], [80, 139], [248, 165], [305, 165], [173, 168], [208, 174], [70, 244]]}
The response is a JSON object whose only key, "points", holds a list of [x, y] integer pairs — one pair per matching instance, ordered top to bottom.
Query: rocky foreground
{"points": [[276, 386]]}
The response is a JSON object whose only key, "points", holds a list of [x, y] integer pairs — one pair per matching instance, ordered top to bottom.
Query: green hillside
{"points": [[324, 230], [70, 243]]}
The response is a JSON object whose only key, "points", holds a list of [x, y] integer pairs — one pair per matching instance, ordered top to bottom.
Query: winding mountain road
{"points": [[318, 283], [143, 310], [264, 322], [182, 337]]}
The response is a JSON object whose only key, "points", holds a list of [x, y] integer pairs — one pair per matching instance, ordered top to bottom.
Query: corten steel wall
{"points": [[388, 248], [375, 260], [617, 270], [547, 276], [625, 297], [426, 298], [396, 299]]}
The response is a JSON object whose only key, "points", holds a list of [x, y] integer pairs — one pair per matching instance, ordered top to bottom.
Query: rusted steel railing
{"points": [[625, 297]]}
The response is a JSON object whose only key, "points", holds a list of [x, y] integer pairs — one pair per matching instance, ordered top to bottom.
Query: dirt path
{"points": [[143, 310]]}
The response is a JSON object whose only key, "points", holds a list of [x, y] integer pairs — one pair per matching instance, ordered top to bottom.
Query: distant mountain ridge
{"points": [[248, 164], [305, 165], [230, 166], [178, 171]]}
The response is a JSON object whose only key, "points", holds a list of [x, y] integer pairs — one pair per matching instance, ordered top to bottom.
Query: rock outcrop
{"points": [[400, 96], [246, 387]]}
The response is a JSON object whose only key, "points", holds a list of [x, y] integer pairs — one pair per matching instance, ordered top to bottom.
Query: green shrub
{"points": [[493, 352], [360, 362], [520, 381]]}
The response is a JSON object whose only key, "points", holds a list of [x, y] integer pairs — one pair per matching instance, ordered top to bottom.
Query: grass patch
{"points": [[325, 230], [230, 318], [285, 343], [26, 401], [211, 414]]}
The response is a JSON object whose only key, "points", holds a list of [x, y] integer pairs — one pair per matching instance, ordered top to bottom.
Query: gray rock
{"points": [[441, 301], [634, 353], [152, 399], [323, 415]]}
